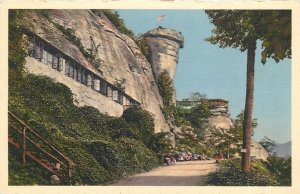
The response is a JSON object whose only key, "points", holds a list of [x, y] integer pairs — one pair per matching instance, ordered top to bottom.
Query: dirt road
{"points": [[189, 173]]}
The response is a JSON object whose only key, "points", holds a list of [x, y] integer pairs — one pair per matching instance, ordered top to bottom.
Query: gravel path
{"points": [[189, 173]]}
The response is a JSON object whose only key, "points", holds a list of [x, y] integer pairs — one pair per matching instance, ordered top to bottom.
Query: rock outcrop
{"points": [[164, 45], [120, 58], [220, 117], [258, 151]]}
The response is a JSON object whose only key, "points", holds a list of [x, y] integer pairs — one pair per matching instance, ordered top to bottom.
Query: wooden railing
{"points": [[15, 124]]}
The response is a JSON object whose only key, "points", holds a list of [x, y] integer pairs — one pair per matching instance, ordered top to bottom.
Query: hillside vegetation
{"points": [[103, 148]]}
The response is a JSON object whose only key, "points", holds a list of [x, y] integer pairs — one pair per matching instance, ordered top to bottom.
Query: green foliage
{"points": [[114, 18], [238, 28], [70, 34], [142, 43], [17, 45], [165, 86], [197, 96], [174, 115], [198, 117], [143, 124], [187, 141], [229, 141], [268, 144], [104, 148], [282, 169], [27, 173], [231, 174]]}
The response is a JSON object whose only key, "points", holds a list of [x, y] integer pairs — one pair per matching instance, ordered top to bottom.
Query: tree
{"points": [[241, 29], [165, 86], [197, 96], [198, 117], [229, 140], [268, 144]]}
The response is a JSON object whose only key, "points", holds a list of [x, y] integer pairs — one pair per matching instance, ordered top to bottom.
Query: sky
{"points": [[221, 73]]}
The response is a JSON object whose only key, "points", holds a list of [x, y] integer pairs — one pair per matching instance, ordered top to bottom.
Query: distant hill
{"points": [[283, 150]]}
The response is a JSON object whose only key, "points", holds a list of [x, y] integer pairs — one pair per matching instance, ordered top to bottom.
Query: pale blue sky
{"points": [[221, 73]]}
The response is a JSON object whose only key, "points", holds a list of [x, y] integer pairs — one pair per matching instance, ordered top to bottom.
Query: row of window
{"points": [[53, 58]]}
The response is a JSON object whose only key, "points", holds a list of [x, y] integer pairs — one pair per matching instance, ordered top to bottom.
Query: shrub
{"points": [[114, 18], [104, 148], [281, 167], [230, 174]]}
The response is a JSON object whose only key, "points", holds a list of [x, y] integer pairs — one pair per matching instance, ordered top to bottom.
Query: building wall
{"points": [[82, 95]]}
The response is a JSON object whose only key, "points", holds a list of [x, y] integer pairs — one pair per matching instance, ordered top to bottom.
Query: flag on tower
{"points": [[160, 18]]}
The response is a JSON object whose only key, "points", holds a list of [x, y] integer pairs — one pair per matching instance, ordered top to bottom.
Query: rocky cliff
{"points": [[164, 45], [120, 58]]}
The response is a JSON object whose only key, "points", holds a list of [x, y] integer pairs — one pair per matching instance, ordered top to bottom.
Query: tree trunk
{"points": [[247, 123]]}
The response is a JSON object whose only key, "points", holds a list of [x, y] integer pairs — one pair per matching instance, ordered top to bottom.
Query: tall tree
{"points": [[241, 29]]}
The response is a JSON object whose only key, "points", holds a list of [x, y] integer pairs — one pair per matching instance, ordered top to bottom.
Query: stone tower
{"points": [[164, 45]]}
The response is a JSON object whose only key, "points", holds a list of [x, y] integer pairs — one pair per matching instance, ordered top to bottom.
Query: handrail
{"points": [[41, 138], [43, 150], [70, 162]]}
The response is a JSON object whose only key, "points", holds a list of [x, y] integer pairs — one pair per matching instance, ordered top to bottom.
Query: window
{"points": [[31, 46], [38, 50], [49, 59], [44, 60], [55, 61], [60, 63], [67, 67], [71, 70], [75, 72], [79, 74], [83, 77], [89, 80], [96, 85], [103, 86], [109, 92], [115, 95], [120, 98], [125, 101]]}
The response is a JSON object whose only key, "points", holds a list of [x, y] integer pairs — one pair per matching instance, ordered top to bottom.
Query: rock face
{"points": [[164, 45], [121, 59], [220, 117], [258, 151]]}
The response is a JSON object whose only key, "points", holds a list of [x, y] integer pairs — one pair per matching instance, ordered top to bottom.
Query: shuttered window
{"points": [[38, 50], [49, 59], [44, 60], [55, 61], [60, 63], [67, 67], [71, 70], [75, 72], [79, 75], [83, 76], [89, 80], [103, 86], [109, 92], [115, 95], [120, 98]]}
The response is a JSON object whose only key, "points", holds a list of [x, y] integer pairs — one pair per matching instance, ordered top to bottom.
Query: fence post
{"points": [[24, 144]]}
